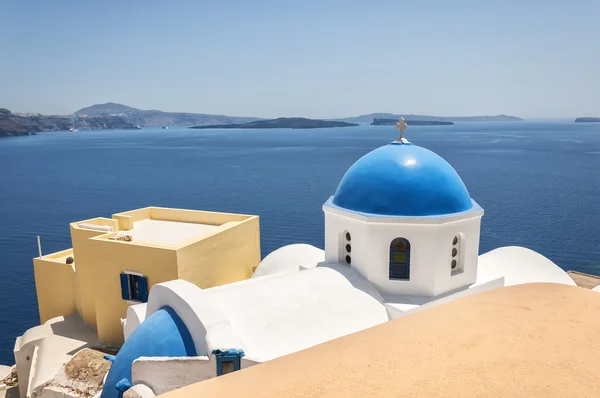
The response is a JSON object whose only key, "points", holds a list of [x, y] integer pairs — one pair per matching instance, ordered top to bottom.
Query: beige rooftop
{"points": [[533, 340]]}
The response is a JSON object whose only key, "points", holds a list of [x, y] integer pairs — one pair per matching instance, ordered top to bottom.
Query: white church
{"points": [[401, 235]]}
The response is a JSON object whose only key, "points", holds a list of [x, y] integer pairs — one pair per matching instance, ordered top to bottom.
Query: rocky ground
{"points": [[82, 376]]}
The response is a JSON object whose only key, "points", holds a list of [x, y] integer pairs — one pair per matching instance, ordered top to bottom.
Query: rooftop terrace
{"points": [[166, 232]]}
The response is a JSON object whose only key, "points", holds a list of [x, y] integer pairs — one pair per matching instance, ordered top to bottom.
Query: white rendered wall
{"points": [[335, 227], [469, 229], [430, 249], [290, 258], [519, 265], [136, 314], [281, 314], [206, 321], [164, 374]]}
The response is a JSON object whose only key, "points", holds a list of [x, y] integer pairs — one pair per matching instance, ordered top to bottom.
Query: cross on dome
{"points": [[401, 126]]}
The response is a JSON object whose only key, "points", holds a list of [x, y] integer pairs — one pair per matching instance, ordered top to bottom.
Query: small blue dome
{"points": [[402, 180], [162, 334]]}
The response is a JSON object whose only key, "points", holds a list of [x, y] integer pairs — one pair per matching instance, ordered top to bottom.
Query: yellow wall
{"points": [[203, 217], [127, 218], [225, 257], [111, 258], [85, 274], [55, 285], [92, 286]]}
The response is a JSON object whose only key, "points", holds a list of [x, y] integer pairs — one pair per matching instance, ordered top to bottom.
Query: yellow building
{"points": [[115, 261]]}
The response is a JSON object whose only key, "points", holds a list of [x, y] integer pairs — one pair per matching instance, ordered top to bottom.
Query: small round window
{"points": [[348, 259], [455, 260]]}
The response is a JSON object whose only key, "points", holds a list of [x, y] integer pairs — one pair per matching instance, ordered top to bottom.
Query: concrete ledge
{"points": [[586, 281], [164, 374]]}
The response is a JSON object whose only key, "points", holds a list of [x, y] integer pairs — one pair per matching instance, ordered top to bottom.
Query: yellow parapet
{"points": [[118, 259], [55, 285]]}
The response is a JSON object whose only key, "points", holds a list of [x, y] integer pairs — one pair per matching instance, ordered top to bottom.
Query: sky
{"points": [[322, 59]]}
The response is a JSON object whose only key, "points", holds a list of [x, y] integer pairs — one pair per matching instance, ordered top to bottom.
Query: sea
{"points": [[538, 182]]}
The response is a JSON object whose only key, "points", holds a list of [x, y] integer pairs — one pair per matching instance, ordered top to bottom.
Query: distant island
{"points": [[112, 115], [105, 116], [154, 118], [367, 119], [587, 120], [392, 122], [281, 123], [12, 124]]}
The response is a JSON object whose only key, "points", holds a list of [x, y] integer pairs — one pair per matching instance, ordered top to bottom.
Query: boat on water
{"points": [[165, 127], [74, 128]]}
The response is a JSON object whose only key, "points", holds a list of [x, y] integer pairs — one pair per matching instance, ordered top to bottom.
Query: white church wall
{"points": [[467, 232], [335, 241], [431, 244], [422, 257]]}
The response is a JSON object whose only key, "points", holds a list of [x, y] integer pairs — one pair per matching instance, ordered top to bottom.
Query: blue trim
{"points": [[475, 208], [400, 270], [143, 281], [124, 286], [134, 287], [162, 334], [228, 355]]}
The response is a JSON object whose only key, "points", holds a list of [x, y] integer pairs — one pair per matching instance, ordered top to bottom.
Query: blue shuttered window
{"points": [[125, 287], [134, 287]]}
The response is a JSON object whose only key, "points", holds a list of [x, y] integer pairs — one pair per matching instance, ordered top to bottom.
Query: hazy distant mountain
{"points": [[105, 109], [159, 118], [366, 119]]}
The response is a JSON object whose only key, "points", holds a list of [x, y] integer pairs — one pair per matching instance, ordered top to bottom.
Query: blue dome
{"points": [[402, 180], [162, 334]]}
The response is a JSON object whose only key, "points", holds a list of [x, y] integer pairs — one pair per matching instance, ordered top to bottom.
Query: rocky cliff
{"points": [[13, 124]]}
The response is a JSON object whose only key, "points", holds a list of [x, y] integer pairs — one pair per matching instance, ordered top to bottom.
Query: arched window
{"points": [[400, 259]]}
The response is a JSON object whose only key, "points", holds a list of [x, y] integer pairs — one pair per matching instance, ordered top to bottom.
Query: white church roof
{"points": [[290, 258], [519, 265], [275, 316]]}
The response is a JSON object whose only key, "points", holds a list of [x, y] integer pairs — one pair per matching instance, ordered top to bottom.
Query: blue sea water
{"points": [[539, 184]]}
